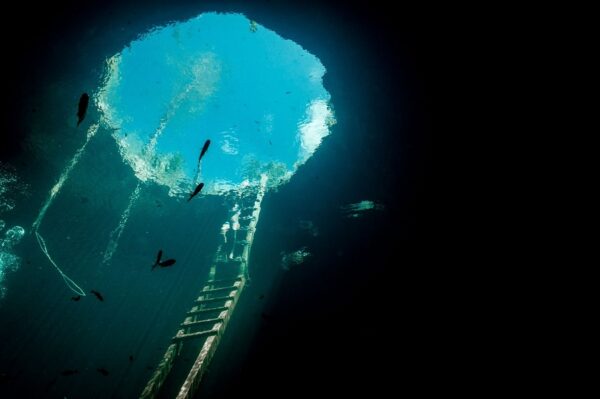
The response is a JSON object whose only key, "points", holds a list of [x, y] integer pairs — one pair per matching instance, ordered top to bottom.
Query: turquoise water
{"points": [[256, 95], [122, 194], [335, 230]]}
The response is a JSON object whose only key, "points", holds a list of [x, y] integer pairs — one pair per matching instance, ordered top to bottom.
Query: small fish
{"points": [[253, 26], [287, 92], [83, 106], [270, 142], [204, 149], [196, 191], [158, 256], [167, 263], [98, 295], [261, 296], [76, 298], [131, 358], [149, 368], [103, 371], [69, 372]]}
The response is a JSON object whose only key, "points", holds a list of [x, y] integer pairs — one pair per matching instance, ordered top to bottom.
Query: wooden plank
{"points": [[229, 262], [226, 280], [224, 289], [219, 299], [207, 310], [200, 322], [199, 334]]}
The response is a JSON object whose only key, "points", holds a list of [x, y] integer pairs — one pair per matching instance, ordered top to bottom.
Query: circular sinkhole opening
{"points": [[258, 97]]}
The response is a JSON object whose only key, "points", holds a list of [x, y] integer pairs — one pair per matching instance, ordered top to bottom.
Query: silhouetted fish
{"points": [[82, 109], [204, 149], [199, 167], [196, 191], [158, 256], [167, 263], [98, 295], [261, 296], [76, 298], [131, 358], [103, 371], [69, 372]]}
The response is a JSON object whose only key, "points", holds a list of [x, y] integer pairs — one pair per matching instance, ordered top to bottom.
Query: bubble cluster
{"points": [[7, 180], [10, 188], [358, 209], [293, 258], [9, 261]]}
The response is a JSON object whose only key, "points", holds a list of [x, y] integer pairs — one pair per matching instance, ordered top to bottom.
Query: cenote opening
{"points": [[220, 220]]}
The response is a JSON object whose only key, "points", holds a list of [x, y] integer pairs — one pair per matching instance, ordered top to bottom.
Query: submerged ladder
{"points": [[208, 317]]}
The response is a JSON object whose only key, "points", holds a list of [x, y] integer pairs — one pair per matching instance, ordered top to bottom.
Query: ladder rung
{"points": [[233, 262], [227, 280], [215, 290], [219, 299], [200, 311], [200, 322], [200, 334]]}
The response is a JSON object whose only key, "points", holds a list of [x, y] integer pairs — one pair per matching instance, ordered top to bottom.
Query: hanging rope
{"points": [[53, 193], [70, 283]]}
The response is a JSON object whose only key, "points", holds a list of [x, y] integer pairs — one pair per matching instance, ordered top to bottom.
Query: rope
{"points": [[53, 192], [70, 283]]}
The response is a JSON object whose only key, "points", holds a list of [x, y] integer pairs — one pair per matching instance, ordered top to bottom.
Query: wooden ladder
{"points": [[212, 310]]}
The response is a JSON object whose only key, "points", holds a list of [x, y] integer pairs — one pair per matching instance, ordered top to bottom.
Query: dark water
{"points": [[324, 325]]}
